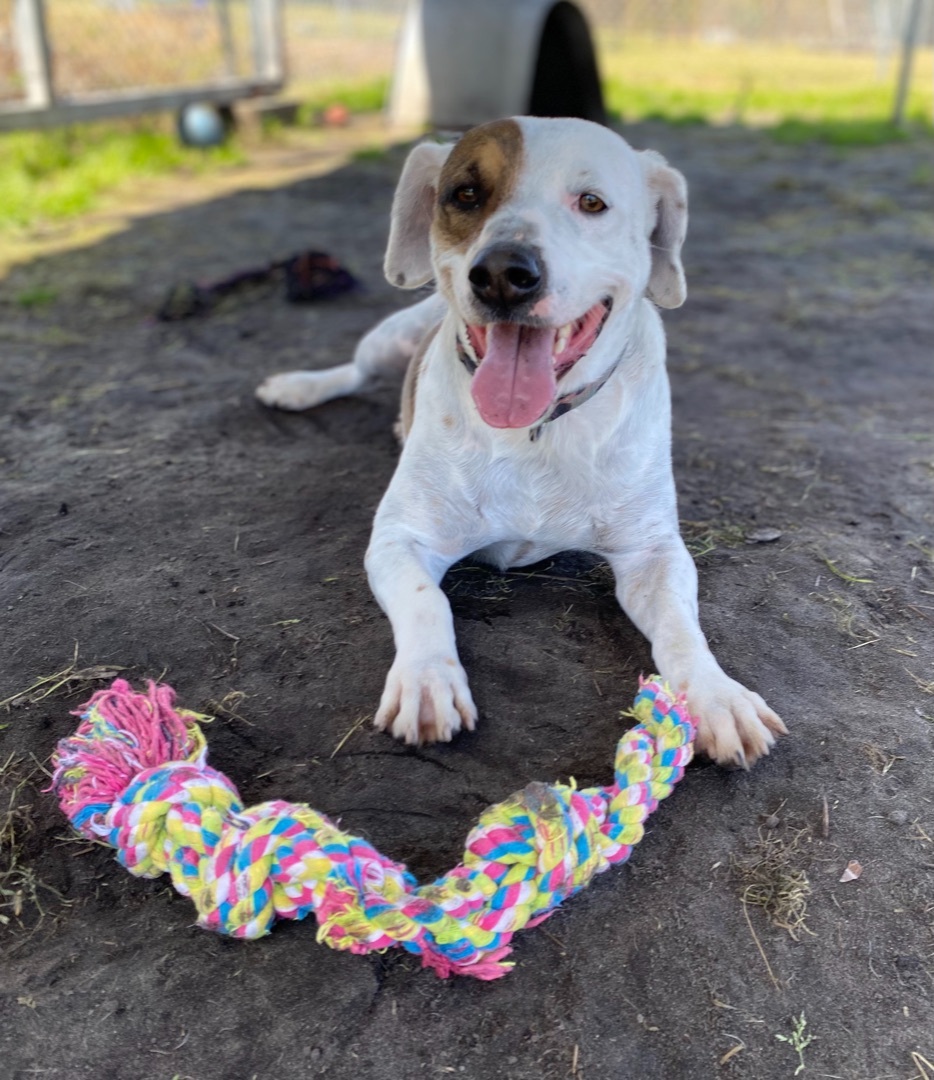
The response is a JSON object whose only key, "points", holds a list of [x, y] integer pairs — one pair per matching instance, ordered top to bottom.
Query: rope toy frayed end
{"points": [[135, 775]]}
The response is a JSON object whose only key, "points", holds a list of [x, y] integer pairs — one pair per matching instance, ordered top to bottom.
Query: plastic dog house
{"points": [[461, 64]]}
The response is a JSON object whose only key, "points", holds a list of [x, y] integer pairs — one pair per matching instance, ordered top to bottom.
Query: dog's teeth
{"points": [[564, 336]]}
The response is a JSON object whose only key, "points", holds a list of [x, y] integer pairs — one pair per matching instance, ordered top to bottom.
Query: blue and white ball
{"points": [[201, 125]]}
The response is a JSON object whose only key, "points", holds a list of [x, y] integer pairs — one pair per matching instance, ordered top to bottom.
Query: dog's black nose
{"points": [[505, 276]]}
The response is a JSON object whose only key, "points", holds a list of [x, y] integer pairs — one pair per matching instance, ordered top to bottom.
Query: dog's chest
{"points": [[586, 483], [543, 504]]}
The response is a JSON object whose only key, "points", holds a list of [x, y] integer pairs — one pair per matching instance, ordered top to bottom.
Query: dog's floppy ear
{"points": [[668, 198], [408, 254]]}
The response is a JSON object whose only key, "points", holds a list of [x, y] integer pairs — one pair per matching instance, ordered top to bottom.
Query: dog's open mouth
{"points": [[520, 365]]}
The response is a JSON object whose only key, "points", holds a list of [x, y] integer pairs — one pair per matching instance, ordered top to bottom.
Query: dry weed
{"points": [[703, 537], [70, 680], [773, 881], [20, 886]]}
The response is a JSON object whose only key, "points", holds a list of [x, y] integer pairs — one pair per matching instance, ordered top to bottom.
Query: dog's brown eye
{"points": [[466, 196], [591, 204]]}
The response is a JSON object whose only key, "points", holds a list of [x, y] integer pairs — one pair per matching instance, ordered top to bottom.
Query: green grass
{"points": [[797, 94], [362, 97], [866, 132], [51, 175], [922, 175], [38, 297]]}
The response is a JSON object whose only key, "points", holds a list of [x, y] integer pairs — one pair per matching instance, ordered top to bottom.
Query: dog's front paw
{"points": [[292, 390], [427, 701], [734, 725]]}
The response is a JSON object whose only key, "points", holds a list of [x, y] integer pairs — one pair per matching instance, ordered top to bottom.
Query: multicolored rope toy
{"points": [[135, 775]]}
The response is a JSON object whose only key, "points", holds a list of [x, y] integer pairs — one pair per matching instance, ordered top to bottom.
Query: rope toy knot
{"points": [[135, 775]]}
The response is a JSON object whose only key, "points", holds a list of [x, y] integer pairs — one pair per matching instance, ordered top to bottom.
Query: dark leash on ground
{"points": [[308, 276]]}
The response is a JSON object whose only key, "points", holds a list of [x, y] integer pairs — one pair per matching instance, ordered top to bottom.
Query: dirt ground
{"points": [[158, 519]]}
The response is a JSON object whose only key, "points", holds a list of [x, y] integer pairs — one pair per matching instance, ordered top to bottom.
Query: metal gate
{"points": [[64, 61]]}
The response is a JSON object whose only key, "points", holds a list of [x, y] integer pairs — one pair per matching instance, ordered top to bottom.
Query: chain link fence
{"points": [[861, 25], [343, 40], [100, 45], [69, 60], [11, 83]]}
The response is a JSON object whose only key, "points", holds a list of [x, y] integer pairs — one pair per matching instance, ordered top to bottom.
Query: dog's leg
{"points": [[382, 353], [298, 390], [657, 588], [426, 698]]}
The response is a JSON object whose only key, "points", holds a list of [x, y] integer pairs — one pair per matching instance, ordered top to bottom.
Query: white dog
{"points": [[536, 413]]}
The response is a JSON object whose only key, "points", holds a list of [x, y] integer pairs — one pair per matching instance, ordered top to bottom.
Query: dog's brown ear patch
{"points": [[478, 177], [668, 192]]}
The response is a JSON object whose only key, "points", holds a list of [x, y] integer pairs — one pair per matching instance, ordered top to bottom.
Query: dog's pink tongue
{"points": [[515, 382]]}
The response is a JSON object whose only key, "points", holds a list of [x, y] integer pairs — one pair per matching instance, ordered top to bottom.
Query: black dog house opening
{"points": [[566, 82]]}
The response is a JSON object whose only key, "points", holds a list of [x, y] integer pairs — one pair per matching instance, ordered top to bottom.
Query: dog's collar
{"points": [[563, 404]]}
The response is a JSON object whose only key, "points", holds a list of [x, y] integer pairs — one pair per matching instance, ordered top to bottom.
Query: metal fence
{"points": [[860, 25], [331, 42], [123, 46], [75, 59]]}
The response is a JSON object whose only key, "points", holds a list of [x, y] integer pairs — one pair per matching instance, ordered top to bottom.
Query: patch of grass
{"points": [[799, 94], [358, 97], [675, 118], [871, 131], [371, 153], [58, 174], [922, 175], [51, 176], [37, 297], [703, 537], [926, 549], [850, 579], [470, 581], [482, 583], [850, 621], [70, 680], [926, 686], [228, 707], [880, 760], [773, 881], [20, 887], [797, 1040]]}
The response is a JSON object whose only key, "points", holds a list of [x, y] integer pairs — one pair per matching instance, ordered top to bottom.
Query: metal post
{"points": [[882, 36], [32, 48], [228, 48], [268, 50], [908, 52]]}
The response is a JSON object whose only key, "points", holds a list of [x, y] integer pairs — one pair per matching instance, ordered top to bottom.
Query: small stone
{"points": [[763, 536], [898, 817], [772, 821], [908, 963]]}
